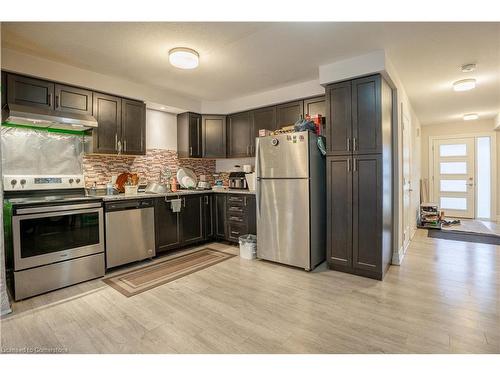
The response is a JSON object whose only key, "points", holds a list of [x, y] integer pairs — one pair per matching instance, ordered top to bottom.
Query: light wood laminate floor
{"points": [[443, 299]]}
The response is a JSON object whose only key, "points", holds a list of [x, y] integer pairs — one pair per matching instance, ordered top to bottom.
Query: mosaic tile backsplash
{"points": [[100, 168]]}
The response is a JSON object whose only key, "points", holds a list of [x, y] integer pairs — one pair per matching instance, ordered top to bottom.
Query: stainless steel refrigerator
{"points": [[290, 193]]}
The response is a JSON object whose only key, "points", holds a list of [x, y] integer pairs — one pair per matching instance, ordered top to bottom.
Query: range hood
{"points": [[47, 118]]}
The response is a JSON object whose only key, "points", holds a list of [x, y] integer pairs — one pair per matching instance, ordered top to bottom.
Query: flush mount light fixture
{"points": [[183, 58], [464, 84], [471, 116]]}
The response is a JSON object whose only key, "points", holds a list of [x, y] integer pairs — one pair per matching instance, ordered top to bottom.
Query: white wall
{"points": [[374, 62], [32, 65], [264, 98], [161, 130], [226, 165]]}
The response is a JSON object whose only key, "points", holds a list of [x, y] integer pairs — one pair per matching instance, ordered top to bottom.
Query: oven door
{"points": [[44, 235]]}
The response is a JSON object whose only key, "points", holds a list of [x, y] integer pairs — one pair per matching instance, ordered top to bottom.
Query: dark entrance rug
{"points": [[489, 239], [137, 281]]}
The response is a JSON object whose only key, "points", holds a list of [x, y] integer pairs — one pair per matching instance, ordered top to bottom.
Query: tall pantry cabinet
{"points": [[359, 176]]}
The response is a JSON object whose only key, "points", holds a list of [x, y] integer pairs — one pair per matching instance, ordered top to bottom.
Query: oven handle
{"points": [[46, 209]]}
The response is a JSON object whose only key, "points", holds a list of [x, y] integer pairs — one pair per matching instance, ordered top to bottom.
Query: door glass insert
{"points": [[453, 150], [453, 167], [483, 180], [453, 186], [451, 203]]}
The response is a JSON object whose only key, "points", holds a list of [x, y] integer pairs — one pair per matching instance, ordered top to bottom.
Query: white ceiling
{"points": [[238, 59]]}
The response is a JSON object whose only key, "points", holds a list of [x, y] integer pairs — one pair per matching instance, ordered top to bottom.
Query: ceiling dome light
{"points": [[183, 58], [464, 84], [471, 116]]}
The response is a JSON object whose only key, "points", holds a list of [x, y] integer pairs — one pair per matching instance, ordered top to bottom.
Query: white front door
{"points": [[453, 176]]}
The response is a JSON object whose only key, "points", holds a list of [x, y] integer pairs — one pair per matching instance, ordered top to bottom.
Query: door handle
{"points": [[50, 99], [57, 101], [116, 141], [348, 144], [354, 144], [125, 145], [190, 151], [348, 165], [354, 167], [206, 199], [183, 202]]}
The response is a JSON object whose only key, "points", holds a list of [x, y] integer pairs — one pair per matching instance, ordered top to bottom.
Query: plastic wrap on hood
{"points": [[30, 151]]}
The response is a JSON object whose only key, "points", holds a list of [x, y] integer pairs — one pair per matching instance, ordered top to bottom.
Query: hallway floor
{"points": [[444, 298]]}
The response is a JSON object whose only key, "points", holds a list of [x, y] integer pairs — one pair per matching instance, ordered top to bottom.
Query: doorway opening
{"points": [[462, 179]]}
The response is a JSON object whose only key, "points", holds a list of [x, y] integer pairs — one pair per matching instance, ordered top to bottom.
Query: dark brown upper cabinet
{"points": [[30, 91], [73, 99], [316, 106], [288, 113], [366, 115], [264, 118], [354, 120], [339, 124], [133, 129], [213, 130], [240, 135], [107, 137], [189, 142]]}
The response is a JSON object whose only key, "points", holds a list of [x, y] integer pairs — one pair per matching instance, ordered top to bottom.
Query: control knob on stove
{"points": [[70, 180], [77, 180], [13, 182], [23, 182]]}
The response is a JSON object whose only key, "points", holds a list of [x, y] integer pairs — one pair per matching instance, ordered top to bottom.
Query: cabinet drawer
{"points": [[236, 199], [235, 209], [236, 218], [235, 231]]}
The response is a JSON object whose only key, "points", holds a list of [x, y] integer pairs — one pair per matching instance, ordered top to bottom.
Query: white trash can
{"points": [[248, 246]]}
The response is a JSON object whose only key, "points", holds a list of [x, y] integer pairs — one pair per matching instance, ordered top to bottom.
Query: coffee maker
{"points": [[237, 180]]}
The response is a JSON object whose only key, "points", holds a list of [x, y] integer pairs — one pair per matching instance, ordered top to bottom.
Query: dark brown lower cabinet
{"points": [[219, 215], [359, 215], [240, 216], [203, 217], [192, 219], [167, 226]]}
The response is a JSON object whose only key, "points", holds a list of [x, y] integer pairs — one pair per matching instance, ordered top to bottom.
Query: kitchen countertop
{"points": [[177, 193]]}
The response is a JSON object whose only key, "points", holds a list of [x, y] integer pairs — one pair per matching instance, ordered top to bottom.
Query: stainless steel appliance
{"points": [[48, 118], [237, 180], [291, 199], [130, 231], [57, 233]]}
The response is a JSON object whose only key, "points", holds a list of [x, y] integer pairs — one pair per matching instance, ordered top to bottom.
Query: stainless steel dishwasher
{"points": [[130, 231]]}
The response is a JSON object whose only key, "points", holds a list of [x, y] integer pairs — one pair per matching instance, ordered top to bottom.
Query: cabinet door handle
{"points": [[50, 99], [57, 101], [116, 142], [348, 144], [354, 144], [125, 145], [248, 150], [190, 151], [348, 165], [354, 167], [206, 199], [245, 201], [183, 202], [233, 232]]}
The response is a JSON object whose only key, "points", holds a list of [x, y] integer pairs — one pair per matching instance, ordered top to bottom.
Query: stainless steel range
{"points": [[57, 233]]}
